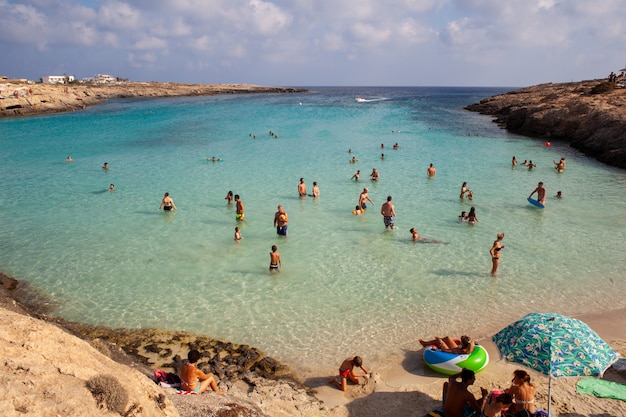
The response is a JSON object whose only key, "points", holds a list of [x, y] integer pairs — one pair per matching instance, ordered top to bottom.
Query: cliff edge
{"points": [[592, 122]]}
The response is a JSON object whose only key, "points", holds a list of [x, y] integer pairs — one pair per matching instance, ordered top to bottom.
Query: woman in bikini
{"points": [[471, 216], [495, 253], [194, 380], [522, 391]]}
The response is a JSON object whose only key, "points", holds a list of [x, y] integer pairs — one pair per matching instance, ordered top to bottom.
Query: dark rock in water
{"points": [[594, 123]]}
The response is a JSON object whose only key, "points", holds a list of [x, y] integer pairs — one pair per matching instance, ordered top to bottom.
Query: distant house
{"points": [[57, 79], [103, 79]]}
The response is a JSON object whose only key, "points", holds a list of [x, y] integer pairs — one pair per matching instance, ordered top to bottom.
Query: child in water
{"points": [[357, 210], [237, 234]]}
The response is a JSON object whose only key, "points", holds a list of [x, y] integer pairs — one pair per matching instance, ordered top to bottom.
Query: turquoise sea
{"points": [[347, 286]]}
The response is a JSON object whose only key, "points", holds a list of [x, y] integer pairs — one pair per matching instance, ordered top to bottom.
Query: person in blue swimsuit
{"points": [[280, 221]]}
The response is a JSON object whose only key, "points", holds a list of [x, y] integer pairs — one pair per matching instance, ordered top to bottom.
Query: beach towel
{"points": [[601, 388], [183, 392]]}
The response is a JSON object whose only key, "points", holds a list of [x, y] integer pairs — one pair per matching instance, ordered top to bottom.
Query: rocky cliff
{"points": [[30, 99], [592, 122]]}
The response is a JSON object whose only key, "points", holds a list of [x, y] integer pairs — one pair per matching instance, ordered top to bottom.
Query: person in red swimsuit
{"points": [[346, 372]]}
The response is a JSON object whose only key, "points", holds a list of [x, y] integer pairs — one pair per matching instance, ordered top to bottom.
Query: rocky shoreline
{"points": [[20, 99], [589, 115], [257, 385]]}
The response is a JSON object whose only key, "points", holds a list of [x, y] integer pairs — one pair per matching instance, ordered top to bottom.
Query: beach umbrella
{"points": [[555, 345]]}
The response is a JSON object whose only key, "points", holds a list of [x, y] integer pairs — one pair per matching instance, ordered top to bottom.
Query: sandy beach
{"points": [[402, 386], [408, 388]]}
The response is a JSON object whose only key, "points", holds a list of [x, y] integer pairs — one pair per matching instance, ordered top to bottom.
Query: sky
{"points": [[316, 42]]}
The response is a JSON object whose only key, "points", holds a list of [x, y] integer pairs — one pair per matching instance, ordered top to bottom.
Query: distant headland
{"points": [[29, 99], [589, 115]]}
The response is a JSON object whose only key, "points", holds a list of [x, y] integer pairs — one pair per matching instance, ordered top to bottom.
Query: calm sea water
{"points": [[347, 285]]}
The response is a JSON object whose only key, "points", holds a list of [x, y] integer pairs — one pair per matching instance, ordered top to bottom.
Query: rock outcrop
{"points": [[33, 99], [594, 123], [51, 367]]}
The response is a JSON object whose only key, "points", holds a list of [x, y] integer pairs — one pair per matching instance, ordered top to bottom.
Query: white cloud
{"points": [[319, 39]]}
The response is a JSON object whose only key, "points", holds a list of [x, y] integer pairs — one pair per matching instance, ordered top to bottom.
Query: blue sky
{"points": [[316, 42]]}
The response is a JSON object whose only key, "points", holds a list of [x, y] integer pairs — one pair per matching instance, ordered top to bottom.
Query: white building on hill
{"points": [[57, 79], [104, 79]]}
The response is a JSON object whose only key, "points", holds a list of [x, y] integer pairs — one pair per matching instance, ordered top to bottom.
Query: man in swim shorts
{"points": [[302, 188], [541, 193], [364, 198], [167, 203], [239, 208], [388, 211], [280, 221], [275, 262]]}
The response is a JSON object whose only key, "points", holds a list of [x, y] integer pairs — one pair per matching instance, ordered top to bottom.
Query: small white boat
{"points": [[360, 99]]}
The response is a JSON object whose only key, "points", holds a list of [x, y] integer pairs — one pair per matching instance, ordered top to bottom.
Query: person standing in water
{"points": [[431, 172], [357, 175], [302, 188], [316, 190], [541, 193], [364, 198], [167, 203], [239, 208], [388, 212], [280, 221], [495, 253], [275, 261]]}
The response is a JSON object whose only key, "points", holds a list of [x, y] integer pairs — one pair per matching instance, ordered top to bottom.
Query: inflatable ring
{"points": [[452, 363]]}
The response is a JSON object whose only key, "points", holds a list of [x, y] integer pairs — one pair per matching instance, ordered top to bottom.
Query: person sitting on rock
{"points": [[194, 380]]}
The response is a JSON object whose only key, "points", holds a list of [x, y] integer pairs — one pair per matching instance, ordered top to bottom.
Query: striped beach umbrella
{"points": [[555, 345]]}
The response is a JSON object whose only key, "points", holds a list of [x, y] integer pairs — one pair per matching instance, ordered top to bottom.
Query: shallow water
{"points": [[347, 286]]}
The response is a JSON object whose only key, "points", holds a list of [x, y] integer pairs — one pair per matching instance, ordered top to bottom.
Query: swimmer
{"points": [[395, 145], [382, 156], [69, 159], [354, 160], [514, 161], [531, 165], [105, 166], [559, 166], [431, 172], [357, 175], [374, 175], [111, 187], [302, 188], [316, 190], [463, 190], [541, 193], [470, 195], [558, 195], [229, 197], [364, 198], [167, 203], [239, 208], [357, 211], [388, 211], [463, 216], [471, 216], [280, 221], [237, 234], [417, 238], [495, 253], [275, 261]]}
